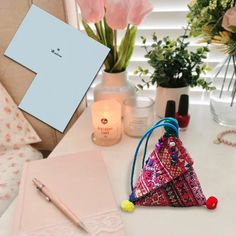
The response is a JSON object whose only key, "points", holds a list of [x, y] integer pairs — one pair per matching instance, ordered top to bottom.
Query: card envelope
{"points": [[65, 60]]}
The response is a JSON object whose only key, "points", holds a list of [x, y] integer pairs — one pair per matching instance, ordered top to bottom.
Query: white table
{"points": [[214, 164]]}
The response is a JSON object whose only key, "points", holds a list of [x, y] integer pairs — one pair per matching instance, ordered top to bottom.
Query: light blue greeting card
{"points": [[65, 60]]}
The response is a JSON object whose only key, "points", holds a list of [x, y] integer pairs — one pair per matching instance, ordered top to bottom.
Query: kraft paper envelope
{"points": [[65, 60], [81, 182]]}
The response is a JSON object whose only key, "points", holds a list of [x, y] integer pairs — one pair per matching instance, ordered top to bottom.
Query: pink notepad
{"points": [[81, 182]]}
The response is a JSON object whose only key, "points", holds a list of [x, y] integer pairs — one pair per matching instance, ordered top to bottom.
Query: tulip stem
{"points": [[99, 32], [103, 32], [126, 38], [115, 45], [123, 49]]}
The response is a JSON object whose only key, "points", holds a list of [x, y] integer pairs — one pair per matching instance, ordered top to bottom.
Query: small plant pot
{"points": [[165, 94]]}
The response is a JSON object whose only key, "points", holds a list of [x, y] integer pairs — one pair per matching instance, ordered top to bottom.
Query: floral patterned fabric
{"points": [[14, 128], [15, 135], [11, 165], [168, 178]]}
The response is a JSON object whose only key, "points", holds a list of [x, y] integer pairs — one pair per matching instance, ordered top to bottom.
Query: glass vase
{"points": [[114, 86], [222, 99]]}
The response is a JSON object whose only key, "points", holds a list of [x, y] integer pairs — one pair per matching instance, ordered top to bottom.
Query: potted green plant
{"points": [[102, 20], [175, 69]]}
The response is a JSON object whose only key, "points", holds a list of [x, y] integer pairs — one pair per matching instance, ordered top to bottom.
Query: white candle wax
{"points": [[138, 115], [106, 116]]}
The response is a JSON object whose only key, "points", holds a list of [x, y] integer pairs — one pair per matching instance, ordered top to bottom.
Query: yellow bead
{"points": [[127, 206]]}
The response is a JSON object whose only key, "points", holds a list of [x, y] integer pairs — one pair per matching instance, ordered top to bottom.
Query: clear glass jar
{"points": [[138, 115]]}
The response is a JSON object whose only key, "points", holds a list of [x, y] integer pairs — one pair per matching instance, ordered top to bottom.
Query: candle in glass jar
{"points": [[106, 117]]}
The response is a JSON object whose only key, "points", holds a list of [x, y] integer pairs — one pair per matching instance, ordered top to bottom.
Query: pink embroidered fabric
{"points": [[168, 178]]}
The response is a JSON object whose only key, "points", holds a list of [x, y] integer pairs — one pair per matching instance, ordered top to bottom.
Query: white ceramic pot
{"points": [[114, 86], [165, 94]]}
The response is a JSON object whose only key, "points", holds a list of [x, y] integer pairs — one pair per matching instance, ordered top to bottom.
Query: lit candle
{"points": [[106, 116]]}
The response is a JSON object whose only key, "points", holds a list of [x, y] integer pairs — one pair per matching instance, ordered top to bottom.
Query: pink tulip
{"points": [[138, 9], [92, 11], [117, 13], [229, 19]]}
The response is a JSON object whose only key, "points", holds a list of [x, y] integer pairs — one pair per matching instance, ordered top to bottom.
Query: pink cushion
{"points": [[15, 130], [15, 135], [11, 163]]}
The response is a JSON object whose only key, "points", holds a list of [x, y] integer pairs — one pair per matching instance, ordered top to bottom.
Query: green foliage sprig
{"points": [[119, 57], [174, 65]]}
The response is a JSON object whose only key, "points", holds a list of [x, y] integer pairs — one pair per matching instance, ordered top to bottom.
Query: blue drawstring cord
{"points": [[160, 123], [150, 133], [146, 144]]}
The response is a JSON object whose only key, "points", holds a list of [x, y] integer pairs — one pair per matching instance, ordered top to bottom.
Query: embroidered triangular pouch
{"points": [[167, 177]]}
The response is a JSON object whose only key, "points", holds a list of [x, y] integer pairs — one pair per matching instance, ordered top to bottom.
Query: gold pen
{"points": [[58, 204]]}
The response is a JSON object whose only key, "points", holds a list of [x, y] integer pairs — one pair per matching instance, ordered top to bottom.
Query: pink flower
{"points": [[138, 10], [92, 11], [117, 13], [120, 13], [229, 19]]}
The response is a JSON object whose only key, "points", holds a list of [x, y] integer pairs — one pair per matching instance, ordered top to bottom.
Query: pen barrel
{"points": [[63, 208], [67, 212]]}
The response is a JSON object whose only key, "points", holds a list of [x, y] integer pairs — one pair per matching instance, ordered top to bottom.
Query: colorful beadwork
{"points": [[168, 178]]}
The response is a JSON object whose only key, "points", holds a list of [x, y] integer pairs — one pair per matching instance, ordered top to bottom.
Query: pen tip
{"points": [[36, 181], [82, 225]]}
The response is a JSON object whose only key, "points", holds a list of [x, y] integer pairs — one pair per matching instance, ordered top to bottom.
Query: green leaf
{"points": [[233, 28], [90, 32], [108, 34], [154, 37], [143, 39], [109, 41], [131, 46], [122, 52], [140, 68], [140, 86]]}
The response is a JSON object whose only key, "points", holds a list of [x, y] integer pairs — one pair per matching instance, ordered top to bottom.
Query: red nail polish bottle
{"points": [[182, 115]]}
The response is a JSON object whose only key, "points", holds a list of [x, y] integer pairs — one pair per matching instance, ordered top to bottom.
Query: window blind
{"points": [[167, 19]]}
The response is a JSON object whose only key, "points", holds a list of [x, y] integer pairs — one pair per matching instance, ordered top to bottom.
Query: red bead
{"points": [[211, 203]]}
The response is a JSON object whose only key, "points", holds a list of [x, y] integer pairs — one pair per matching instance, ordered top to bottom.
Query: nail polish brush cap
{"points": [[183, 105], [170, 109]]}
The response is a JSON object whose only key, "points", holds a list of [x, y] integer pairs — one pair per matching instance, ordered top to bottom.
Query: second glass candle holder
{"points": [[138, 115]]}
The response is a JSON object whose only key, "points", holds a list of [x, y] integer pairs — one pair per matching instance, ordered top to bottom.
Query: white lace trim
{"points": [[109, 221]]}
